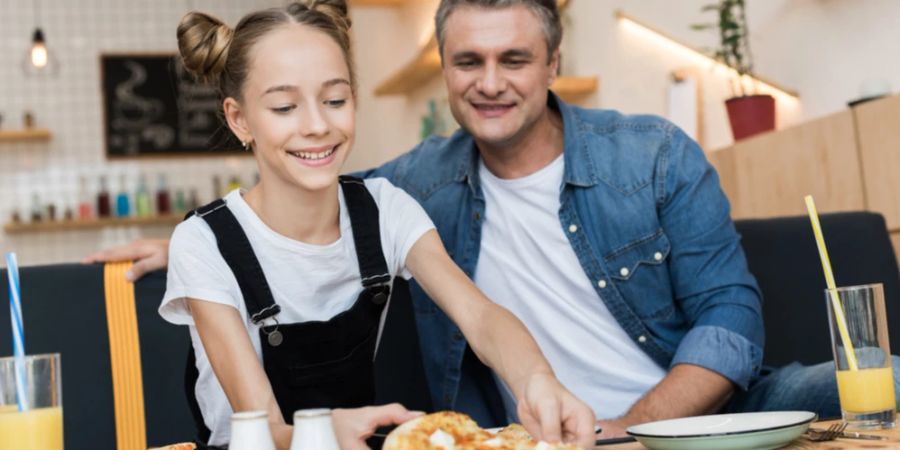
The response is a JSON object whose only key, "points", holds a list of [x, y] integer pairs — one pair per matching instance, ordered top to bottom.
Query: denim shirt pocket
{"points": [[640, 272]]}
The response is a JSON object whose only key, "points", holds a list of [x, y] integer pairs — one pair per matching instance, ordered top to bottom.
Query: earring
{"points": [[246, 144]]}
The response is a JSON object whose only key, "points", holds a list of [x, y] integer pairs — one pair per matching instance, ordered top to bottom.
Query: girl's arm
{"points": [[500, 340], [236, 364], [247, 387]]}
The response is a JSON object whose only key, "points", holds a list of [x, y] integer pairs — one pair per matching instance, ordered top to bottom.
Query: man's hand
{"points": [[148, 255], [552, 414], [353, 426], [612, 428]]}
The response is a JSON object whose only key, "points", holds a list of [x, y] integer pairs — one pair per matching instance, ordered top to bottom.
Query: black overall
{"points": [[310, 364]]}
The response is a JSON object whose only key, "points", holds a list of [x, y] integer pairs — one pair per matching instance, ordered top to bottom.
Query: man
{"points": [[607, 235]]}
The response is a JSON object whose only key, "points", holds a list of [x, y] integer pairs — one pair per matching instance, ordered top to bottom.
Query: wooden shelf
{"points": [[424, 66], [573, 88], [29, 134], [68, 225]]}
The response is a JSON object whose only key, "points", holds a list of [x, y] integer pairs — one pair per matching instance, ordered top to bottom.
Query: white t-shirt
{"points": [[527, 265], [309, 282]]}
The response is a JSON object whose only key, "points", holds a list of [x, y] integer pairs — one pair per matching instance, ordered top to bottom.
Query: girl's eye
{"points": [[336, 103], [284, 109]]}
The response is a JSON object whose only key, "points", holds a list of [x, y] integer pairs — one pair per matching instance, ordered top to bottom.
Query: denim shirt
{"points": [[643, 211]]}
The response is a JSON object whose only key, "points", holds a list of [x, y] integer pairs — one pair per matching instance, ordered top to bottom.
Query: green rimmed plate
{"points": [[760, 431]]}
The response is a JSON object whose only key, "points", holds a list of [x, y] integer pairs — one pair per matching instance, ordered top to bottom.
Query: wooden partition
{"points": [[878, 127], [848, 161], [769, 175]]}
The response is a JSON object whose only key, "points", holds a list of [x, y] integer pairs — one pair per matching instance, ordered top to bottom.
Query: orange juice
{"points": [[866, 390], [36, 429]]}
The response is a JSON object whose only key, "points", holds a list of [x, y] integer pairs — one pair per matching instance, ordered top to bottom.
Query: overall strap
{"points": [[363, 213], [235, 248]]}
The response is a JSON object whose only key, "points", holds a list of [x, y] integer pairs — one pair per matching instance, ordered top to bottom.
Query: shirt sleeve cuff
{"points": [[722, 351]]}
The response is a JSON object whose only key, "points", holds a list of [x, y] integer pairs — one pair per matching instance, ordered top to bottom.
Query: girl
{"points": [[284, 285]]}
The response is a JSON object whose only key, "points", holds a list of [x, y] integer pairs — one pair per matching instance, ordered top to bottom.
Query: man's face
{"points": [[497, 72]]}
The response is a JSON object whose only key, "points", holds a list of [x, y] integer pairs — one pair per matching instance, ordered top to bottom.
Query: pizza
{"points": [[456, 431], [185, 446]]}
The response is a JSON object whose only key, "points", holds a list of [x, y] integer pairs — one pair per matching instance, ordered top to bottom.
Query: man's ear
{"points": [[554, 66], [237, 122]]}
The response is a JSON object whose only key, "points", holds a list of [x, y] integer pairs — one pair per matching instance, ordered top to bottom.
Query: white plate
{"points": [[761, 430]]}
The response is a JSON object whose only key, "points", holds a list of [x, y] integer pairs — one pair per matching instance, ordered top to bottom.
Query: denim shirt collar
{"points": [[579, 165]]}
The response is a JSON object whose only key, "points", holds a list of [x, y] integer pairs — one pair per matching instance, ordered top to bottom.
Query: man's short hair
{"points": [[545, 10]]}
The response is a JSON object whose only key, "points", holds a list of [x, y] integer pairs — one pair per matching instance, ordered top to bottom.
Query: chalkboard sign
{"points": [[152, 107]]}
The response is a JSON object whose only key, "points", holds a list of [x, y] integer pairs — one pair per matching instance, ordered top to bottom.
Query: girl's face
{"points": [[297, 108]]}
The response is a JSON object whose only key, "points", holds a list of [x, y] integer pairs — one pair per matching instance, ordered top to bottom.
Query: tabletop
{"points": [[801, 443]]}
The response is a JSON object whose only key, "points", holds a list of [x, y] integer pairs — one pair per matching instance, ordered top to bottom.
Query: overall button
{"points": [[573, 228], [657, 256], [624, 271], [602, 284], [379, 298], [642, 339]]}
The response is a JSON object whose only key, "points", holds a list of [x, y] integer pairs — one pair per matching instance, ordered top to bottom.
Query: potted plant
{"points": [[748, 112]]}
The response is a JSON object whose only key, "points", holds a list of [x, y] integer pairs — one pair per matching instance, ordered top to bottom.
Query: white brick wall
{"points": [[70, 106]]}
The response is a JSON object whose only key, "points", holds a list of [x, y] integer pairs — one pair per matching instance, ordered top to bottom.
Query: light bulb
{"points": [[38, 55]]}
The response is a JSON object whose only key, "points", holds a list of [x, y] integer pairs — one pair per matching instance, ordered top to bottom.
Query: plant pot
{"points": [[750, 115]]}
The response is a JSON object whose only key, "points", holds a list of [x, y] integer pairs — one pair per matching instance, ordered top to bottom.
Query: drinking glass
{"points": [[867, 393], [40, 426]]}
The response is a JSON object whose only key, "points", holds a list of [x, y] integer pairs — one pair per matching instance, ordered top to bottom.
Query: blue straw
{"points": [[15, 315]]}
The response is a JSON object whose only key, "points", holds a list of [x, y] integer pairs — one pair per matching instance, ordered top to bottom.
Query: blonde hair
{"points": [[219, 55]]}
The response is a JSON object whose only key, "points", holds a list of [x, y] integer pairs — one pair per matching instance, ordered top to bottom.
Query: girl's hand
{"points": [[552, 414], [353, 426]]}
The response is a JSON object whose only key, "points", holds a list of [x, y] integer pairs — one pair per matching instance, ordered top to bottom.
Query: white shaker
{"points": [[313, 430], [250, 431]]}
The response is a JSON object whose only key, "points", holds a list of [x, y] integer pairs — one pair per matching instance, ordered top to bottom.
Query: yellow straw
{"points": [[829, 279]]}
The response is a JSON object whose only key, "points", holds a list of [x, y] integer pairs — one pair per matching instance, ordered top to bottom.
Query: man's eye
{"points": [[466, 64], [284, 109]]}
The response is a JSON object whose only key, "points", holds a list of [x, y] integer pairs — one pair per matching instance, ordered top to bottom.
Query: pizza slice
{"points": [[456, 431]]}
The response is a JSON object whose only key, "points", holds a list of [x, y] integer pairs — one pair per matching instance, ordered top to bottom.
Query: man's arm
{"points": [[148, 255], [712, 286], [687, 390]]}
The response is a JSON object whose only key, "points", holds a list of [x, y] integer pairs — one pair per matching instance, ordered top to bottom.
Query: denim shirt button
{"points": [[573, 228], [657, 256], [624, 271], [602, 284], [642, 339]]}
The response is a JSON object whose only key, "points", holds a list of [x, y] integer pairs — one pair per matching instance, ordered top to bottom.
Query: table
{"points": [[802, 443]]}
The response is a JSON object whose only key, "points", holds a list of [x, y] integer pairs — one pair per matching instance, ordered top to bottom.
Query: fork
{"points": [[829, 434]]}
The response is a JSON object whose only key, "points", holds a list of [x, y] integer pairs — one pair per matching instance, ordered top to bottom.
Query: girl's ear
{"points": [[234, 115]]}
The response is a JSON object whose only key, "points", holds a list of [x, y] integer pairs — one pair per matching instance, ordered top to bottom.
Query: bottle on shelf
{"points": [[233, 183], [217, 187], [142, 198], [163, 201], [193, 201], [123, 203], [103, 206], [180, 206], [37, 209], [85, 210], [51, 211]]}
